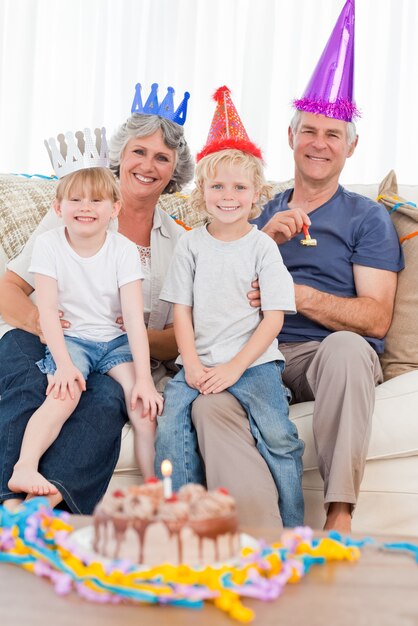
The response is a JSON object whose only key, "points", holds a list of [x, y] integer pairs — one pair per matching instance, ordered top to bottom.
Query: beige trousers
{"points": [[340, 374], [232, 460]]}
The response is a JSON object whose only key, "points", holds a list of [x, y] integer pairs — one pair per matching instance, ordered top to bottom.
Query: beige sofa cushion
{"points": [[24, 202], [401, 348], [394, 402]]}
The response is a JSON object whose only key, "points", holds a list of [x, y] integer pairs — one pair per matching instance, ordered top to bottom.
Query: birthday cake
{"points": [[194, 526]]}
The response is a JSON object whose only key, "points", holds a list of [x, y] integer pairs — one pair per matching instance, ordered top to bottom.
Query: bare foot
{"points": [[25, 478], [53, 499], [12, 504], [339, 517]]}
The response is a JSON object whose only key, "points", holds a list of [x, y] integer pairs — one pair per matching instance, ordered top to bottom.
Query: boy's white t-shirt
{"points": [[214, 277], [88, 288]]}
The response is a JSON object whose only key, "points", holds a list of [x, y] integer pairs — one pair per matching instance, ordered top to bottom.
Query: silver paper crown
{"points": [[78, 151]]}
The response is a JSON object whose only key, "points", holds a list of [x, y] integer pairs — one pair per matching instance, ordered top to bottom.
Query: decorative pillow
{"points": [[279, 187], [23, 203], [177, 205], [401, 347]]}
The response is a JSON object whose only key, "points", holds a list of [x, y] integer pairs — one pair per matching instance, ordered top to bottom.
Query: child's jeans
{"points": [[91, 356], [264, 397]]}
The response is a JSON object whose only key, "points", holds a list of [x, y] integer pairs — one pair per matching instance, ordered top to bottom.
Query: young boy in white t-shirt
{"points": [[94, 276], [224, 343]]}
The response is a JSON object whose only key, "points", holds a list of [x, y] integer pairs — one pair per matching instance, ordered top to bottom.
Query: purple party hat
{"points": [[330, 90]]}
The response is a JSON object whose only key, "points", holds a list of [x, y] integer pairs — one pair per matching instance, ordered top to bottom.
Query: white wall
{"points": [[66, 64]]}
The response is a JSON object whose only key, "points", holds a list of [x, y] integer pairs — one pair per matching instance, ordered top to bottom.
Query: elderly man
{"points": [[345, 289]]}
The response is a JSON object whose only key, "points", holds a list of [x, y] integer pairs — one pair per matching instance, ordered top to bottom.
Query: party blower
{"points": [[308, 241]]}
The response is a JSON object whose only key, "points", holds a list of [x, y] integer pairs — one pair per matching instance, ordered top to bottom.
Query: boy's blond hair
{"points": [[207, 167], [100, 180]]}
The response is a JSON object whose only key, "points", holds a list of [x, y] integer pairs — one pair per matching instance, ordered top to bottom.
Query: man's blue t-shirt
{"points": [[350, 229]]}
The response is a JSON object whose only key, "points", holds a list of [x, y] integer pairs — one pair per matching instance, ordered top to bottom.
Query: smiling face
{"points": [[320, 148], [146, 168], [230, 195], [86, 214]]}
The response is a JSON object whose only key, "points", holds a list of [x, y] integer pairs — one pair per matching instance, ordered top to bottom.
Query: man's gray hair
{"points": [[139, 125], [351, 127]]}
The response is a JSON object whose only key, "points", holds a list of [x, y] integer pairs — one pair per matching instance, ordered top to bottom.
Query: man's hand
{"points": [[284, 225], [254, 296], [119, 321], [64, 323]]}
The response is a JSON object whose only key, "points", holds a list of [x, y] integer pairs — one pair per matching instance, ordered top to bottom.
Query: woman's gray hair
{"points": [[139, 125], [351, 127]]}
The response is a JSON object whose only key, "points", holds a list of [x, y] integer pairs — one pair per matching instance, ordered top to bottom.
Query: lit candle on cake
{"points": [[166, 469]]}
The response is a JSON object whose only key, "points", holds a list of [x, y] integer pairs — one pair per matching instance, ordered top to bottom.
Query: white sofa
{"points": [[388, 501]]}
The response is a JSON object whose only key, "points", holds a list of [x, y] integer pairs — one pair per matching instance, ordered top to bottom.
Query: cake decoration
{"points": [[166, 471], [151, 524], [40, 540]]}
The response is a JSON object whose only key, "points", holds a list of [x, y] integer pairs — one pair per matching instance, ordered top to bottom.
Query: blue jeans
{"points": [[91, 356], [261, 392], [81, 461]]}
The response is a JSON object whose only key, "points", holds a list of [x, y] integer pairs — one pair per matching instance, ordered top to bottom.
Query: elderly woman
{"points": [[150, 156]]}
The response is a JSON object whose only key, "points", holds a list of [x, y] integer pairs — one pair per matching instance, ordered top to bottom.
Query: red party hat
{"points": [[227, 131]]}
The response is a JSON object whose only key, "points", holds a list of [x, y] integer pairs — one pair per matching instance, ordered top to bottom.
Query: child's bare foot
{"points": [[25, 478], [53, 499], [12, 504]]}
